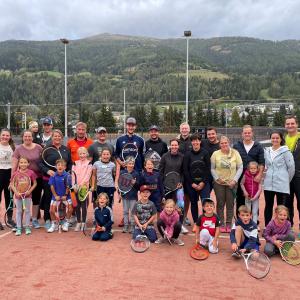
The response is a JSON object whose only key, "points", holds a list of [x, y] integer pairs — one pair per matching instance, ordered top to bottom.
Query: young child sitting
{"points": [[251, 189], [60, 192], [144, 212], [103, 219], [169, 221], [208, 227], [277, 231], [244, 233]]}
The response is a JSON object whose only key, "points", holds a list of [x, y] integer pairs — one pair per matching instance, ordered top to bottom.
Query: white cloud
{"points": [[52, 19]]}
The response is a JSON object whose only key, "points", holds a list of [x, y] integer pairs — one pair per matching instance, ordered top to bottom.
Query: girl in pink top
{"points": [[83, 170], [251, 189], [169, 221]]}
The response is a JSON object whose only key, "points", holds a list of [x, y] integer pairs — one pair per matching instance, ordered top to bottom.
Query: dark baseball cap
{"points": [[47, 120], [131, 120], [154, 127], [101, 128], [144, 188]]}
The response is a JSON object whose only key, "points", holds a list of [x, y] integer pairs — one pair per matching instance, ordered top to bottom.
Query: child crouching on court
{"points": [[60, 192], [144, 212], [103, 218], [169, 221], [208, 227], [277, 231], [244, 233]]}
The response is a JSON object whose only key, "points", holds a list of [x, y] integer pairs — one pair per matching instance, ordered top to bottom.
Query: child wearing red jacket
{"points": [[169, 221]]}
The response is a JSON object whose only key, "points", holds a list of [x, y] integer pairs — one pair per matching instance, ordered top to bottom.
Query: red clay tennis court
{"points": [[71, 266]]}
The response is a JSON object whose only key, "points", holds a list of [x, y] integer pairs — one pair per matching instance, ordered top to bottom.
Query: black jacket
{"points": [[185, 145], [159, 146], [256, 153], [296, 154], [171, 163]]}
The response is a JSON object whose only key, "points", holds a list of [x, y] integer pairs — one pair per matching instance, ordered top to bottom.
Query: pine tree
{"points": [[154, 116], [235, 118]]}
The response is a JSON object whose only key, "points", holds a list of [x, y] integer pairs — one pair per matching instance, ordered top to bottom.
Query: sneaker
{"points": [[187, 222], [12, 223], [121, 223], [36, 224], [47, 224], [1, 226], [65, 226], [83, 226], [77, 227], [52, 228], [131, 228], [228, 228], [125, 229], [223, 229], [27, 230], [184, 230], [18, 231], [160, 240], [178, 241], [236, 255]]}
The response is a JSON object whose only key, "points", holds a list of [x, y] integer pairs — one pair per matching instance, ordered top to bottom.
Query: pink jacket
{"points": [[83, 170], [252, 187], [169, 220]]}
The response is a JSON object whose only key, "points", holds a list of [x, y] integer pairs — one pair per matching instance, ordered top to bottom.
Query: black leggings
{"points": [[4, 184], [37, 192], [282, 199], [46, 200], [81, 211], [177, 228]]}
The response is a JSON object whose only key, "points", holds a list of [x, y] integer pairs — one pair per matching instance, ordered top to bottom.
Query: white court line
{"points": [[5, 234]]}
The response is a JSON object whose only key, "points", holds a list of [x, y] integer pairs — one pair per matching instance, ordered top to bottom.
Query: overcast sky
{"points": [[74, 19]]}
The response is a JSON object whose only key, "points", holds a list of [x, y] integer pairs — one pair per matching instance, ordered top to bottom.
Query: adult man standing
{"points": [[47, 131], [80, 140], [292, 141], [155, 143], [136, 145], [96, 148], [249, 150]]}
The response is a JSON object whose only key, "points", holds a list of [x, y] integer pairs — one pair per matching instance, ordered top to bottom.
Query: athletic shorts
{"points": [[66, 202], [244, 243]]}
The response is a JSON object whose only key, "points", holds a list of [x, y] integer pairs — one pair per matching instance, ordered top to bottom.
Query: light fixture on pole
{"points": [[187, 34], [66, 42]]}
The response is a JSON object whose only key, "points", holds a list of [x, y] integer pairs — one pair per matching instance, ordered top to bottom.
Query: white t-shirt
{"points": [[248, 146], [6, 153]]}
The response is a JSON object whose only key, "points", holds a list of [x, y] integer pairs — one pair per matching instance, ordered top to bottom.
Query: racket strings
{"points": [[291, 253], [258, 265]]}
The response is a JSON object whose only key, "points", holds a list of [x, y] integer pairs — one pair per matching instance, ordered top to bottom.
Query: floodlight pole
{"points": [[187, 34], [66, 42], [124, 113]]}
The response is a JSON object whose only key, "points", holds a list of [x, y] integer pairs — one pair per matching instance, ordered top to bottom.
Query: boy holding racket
{"points": [[60, 192], [23, 199], [144, 212], [208, 227], [244, 233]]}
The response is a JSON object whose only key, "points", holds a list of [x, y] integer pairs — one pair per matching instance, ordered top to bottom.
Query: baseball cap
{"points": [[47, 120], [131, 120], [154, 127], [101, 128], [144, 188]]}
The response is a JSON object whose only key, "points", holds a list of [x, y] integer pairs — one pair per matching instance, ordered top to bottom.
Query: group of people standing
{"points": [[237, 174]]}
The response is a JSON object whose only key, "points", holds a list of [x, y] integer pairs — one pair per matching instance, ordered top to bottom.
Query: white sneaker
{"points": [[83, 226], [65, 227], [78, 227], [52, 228], [184, 230], [160, 240], [179, 242]]}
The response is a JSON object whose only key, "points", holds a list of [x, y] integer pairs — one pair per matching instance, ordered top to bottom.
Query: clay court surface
{"points": [[71, 266]]}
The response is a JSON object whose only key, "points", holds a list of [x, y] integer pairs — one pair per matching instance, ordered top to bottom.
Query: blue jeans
{"points": [[194, 197], [149, 232], [102, 236]]}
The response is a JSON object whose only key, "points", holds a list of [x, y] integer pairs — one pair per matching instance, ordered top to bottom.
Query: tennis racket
{"points": [[129, 149], [50, 155], [154, 157], [197, 171], [171, 182], [125, 183], [22, 184], [83, 192], [11, 206], [61, 214], [165, 235], [140, 244], [198, 252], [290, 253], [257, 264]]}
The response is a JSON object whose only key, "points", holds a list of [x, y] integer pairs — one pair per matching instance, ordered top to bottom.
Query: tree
{"points": [[140, 114], [154, 116], [223, 117], [106, 118], [235, 118]]}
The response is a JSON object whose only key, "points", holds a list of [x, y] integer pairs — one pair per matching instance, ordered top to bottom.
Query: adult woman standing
{"points": [[6, 150], [32, 152], [226, 169], [280, 169], [47, 171]]}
